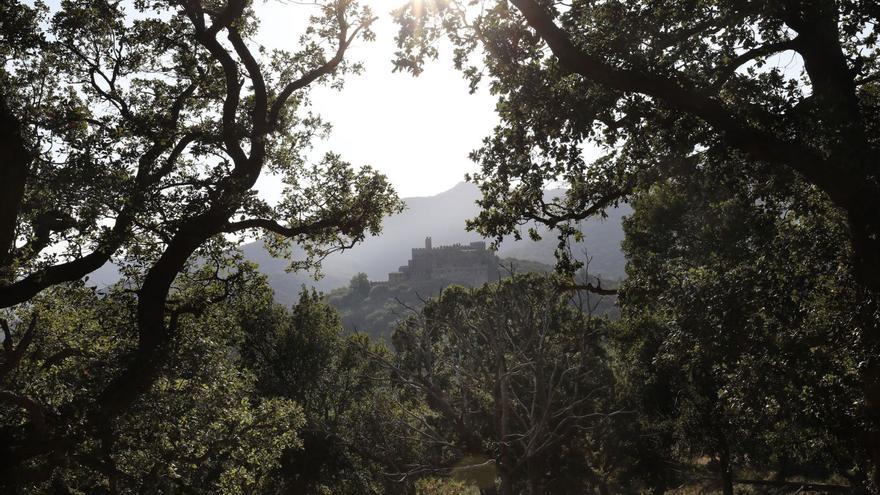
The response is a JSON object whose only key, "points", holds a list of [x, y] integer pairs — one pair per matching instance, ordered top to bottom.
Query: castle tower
{"points": [[428, 243]]}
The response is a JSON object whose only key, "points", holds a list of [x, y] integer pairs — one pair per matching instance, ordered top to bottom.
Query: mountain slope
{"points": [[442, 217], [377, 308]]}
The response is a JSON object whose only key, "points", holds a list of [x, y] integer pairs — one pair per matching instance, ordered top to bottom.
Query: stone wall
{"points": [[471, 265]]}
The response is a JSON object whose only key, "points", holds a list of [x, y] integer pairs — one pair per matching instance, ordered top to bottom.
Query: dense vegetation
{"points": [[695, 95], [129, 132], [375, 308], [744, 358], [516, 387]]}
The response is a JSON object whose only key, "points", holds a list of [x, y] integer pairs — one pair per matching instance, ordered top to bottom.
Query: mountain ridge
{"points": [[441, 217]]}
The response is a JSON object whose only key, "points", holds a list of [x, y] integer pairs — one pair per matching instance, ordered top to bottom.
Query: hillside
{"points": [[443, 218], [374, 309]]}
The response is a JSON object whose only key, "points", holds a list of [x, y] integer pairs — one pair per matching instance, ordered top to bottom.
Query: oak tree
{"points": [[664, 88], [136, 133], [514, 379]]}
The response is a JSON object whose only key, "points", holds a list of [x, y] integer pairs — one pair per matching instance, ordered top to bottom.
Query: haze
{"points": [[418, 131]]}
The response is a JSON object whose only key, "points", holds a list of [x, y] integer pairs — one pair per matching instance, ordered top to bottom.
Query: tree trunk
{"points": [[13, 175], [863, 221], [864, 231], [153, 335], [870, 377], [502, 418], [872, 438], [725, 470], [534, 473], [506, 486]]}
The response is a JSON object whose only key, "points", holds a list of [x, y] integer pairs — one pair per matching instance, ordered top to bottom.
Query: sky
{"points": [[416, 130]]}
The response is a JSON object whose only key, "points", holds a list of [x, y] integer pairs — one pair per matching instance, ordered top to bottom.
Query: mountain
{"points": [[442, 217], [376, 308]]}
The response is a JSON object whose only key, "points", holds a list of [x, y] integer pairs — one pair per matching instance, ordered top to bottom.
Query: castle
{"points": [[472, 265]]}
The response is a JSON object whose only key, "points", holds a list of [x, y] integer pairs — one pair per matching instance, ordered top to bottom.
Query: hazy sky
{"points": [[418, 131]]}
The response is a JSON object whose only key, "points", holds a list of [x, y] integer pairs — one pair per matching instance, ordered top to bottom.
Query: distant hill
{"points": [[443, 218], [375, 309]]}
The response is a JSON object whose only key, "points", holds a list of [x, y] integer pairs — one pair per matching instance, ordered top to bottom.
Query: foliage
{"points": [[661, 87], [780, 92], [137, 131], [359, 286], [376, 309], [303, 355], [764, 377], [514, 378], [202, 427], [439, 486]]}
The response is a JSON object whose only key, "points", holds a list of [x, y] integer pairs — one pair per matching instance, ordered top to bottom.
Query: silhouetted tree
{"points": [[665, 88], [141, 137], [360, 286], [735, 342], [303, 355], [515, 380], [203, 427]]}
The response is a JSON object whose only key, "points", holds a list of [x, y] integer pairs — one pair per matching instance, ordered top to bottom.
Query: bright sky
{"points": [[418, 131]]}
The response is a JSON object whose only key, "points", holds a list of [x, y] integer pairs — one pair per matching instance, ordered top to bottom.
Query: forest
{"points": [[742, 352]]}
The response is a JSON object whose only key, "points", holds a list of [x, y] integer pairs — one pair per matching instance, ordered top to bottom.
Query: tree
{"points": [[691, 76], [666, 88], [140, 138], [359, 286], [735, 341], [303, 355], [513, 376], [202, 428]]}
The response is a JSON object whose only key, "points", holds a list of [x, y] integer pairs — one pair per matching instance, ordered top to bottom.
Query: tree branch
{"points": [[726, 72], [309, 77], [759, 144], [13, 177], [589, 287], [15, 353]]}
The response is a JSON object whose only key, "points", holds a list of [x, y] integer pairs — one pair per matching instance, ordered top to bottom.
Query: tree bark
{"points": [[13, 175], [864, 232], [153, 336], [870, 378], [502, 418], [724, 468], [534, 473]]}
